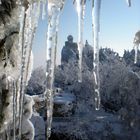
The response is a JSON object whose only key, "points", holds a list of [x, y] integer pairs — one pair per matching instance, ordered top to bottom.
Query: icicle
{"points": [[128, 3], [80, 7], [43, 9], [54, 9], [36, 13], [34, 23], [28, 24], [96, 26], [56, 39], [21, 40], [26, 41], [136, 43], [55, 50], [136, 53], [22, 84], [16, 98], [14, 110]]}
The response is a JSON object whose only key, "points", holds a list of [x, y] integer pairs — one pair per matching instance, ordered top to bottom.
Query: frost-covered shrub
{"points": [[129, 60], [112, 72], [66, 74], [66, 77], [36, 83], [120, 87], [85, 91], [129, 92]]}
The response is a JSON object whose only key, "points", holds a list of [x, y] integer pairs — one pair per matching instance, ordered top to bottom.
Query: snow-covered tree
{"points": [[36, 84]]}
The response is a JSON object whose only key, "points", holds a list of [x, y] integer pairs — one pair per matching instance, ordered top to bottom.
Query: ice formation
{"points": [[128, 2], [96, 6], [80, 7], [43, 9], [54, 9], [29, 21], [25, 36], [136, 43], [136, 53], [16, 82], [8, 84], [14, 90], [27, 126]]}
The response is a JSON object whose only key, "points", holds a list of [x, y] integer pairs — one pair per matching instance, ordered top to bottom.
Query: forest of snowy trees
{"points": [[120, 97]]}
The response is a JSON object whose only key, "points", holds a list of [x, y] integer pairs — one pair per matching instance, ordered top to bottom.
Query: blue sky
{"points": [[118, 26]]}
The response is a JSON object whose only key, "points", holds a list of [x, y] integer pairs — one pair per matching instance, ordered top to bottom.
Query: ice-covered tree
{"points": [[36, 84]]}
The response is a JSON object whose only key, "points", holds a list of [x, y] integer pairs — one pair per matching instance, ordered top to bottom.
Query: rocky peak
{"points": [[69, 51]]}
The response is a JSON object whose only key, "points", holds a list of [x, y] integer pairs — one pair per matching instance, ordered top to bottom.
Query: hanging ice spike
{"points": [[128, 3], [96, 6], [80, 7], [43, 9], [54, 9], [29, 21], [136, 43], [136, 53]]}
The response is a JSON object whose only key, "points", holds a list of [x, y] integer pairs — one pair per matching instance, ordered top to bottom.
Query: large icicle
{"points": [[128, 2], [96, 5], [80, 7], [44, 9], [54, 9], [30, 21], [34, 23], [21, 42], [136, 43], [136, 53], [14, 109]]}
